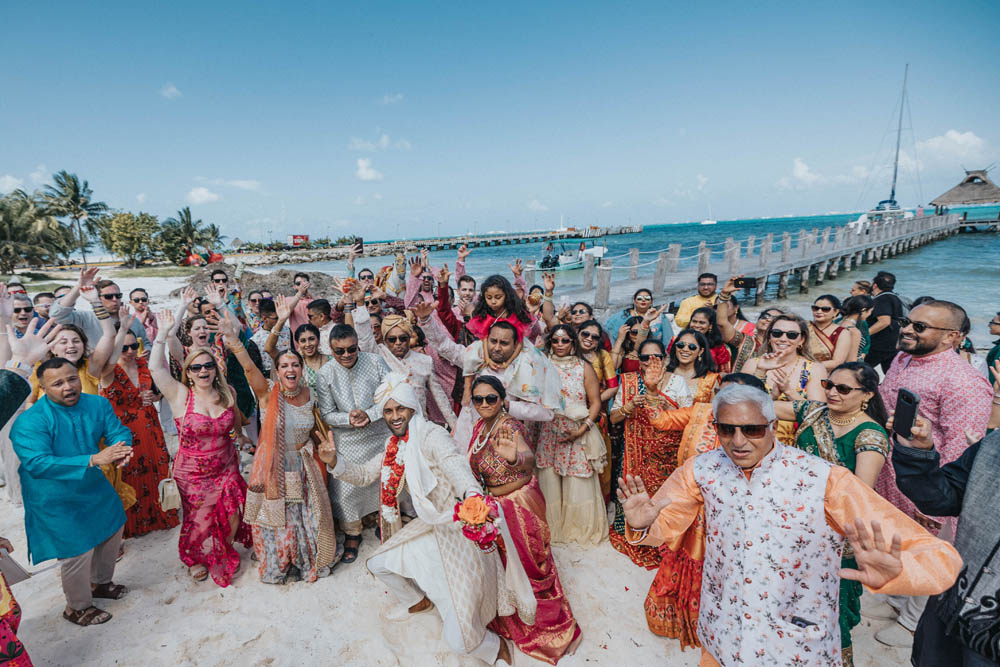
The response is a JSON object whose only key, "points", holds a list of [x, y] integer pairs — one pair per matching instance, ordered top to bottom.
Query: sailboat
{"points": [[888, 210], [709, 220]]}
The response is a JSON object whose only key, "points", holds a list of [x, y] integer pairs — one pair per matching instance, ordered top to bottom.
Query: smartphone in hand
{"points": [[745, 283], [907, 403]]}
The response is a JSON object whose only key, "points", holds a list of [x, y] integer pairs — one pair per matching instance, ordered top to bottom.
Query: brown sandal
{"points": [[109, 591], [87, 617]]}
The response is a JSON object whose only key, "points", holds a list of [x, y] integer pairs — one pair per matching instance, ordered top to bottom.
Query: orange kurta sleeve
{"points": [[669, 420], [675, 518], [930, 565]]}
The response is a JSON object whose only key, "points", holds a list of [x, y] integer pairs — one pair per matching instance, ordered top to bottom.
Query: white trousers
{"points": [[418, 579]]}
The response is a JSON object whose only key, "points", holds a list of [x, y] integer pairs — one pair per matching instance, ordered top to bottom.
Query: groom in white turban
{"points": [[428, 562]]}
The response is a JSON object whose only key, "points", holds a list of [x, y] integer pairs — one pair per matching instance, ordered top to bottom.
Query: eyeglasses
{"points": [[220, 281], [708, 284], [112, 295], [140, 299], [23, 309], [822, 309], [579, 311], [920, 327], [778, 333], [586, 335], [396, 339], [562, 341], [131, 346], [690, 346], [341, 351], [647, 357], [208, 365], [842, 389], [488, 399], [752, 431]]}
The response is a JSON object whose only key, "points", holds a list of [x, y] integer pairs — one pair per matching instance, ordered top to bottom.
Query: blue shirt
{"points": [[69, 507]]}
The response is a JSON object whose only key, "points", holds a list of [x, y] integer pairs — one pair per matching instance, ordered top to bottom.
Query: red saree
{"points": [[12, 653]]}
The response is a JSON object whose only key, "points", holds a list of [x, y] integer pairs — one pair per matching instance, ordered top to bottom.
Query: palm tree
{"points": [[68, 197], [187, 230], [28, 234], [212, 237]]}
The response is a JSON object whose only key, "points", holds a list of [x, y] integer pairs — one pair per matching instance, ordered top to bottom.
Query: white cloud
{"points": [[170, 92], [392, 98], [383, 143], [953, 145], [366, 172], [39, 174], [802, 177], [702, 181], [8, 183], [242, 184], [201, 195], [141, 197], [661, 202], [535, 205]]}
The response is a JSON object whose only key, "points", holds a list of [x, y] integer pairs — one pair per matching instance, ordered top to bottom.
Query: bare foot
{"points": [[423, 605], [504, 652]]}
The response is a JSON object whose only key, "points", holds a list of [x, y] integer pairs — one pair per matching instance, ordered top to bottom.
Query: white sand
{"points": [[169, 619]]}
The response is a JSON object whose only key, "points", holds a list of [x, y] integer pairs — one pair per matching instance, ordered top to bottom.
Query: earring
{"points": [[864, 405]]}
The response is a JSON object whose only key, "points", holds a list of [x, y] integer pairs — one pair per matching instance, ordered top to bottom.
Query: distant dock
{"points": [[484, 240]]}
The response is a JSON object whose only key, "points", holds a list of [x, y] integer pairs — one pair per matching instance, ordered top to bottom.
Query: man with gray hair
{"points": [[775, 522]]}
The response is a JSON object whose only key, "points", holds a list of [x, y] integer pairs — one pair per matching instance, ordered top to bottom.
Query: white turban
{"points": [[395, 387]]}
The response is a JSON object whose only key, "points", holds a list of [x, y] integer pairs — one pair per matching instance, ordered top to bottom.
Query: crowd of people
{"points": [[752, 465]]}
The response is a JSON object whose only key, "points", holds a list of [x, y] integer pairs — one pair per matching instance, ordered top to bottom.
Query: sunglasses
{"points": [[366, 277], [220, 281], [299, 283], [113, 295], [643, 298], [140, 299], [254, 300], [372, 302], [23, 309], [822, 309], [579, 311], [766, 316], [994, 323], [920, 327], [633, 332], [778, 333], [586, 335], [396, 339], [562, 341], [131, 346], [690, 346], [341, 351], [647, 357], [208, 365], [842, 389], [488, 399], [748, 430]]}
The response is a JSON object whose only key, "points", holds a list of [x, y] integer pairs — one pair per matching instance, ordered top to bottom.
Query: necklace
{"points": [[293, 393], [844, 421], [481, 442]]}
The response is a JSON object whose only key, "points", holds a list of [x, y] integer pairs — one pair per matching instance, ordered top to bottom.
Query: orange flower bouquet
{"points": [[348, 285], [479, 516]]}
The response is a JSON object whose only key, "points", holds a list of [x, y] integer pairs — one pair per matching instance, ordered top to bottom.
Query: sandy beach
{"points": [[169, 619]]}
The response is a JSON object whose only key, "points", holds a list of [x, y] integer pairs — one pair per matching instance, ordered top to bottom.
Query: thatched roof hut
{"points": [[975, 189]]}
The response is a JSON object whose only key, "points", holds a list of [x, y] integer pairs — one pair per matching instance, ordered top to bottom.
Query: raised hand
{"points": [[355, 252], [463, 252], [425, 255], [416, 268], [516, 268], [443, 275], [87, 277], [549, 281], [730, 285], [302, 288], [89, 292], [188, 296], [213, 297], [6, 303], [282, 309], [424, 309], [563, 314], [650, 315], [125, 317], [166, 323], [227, 327], [32, 347], [653, 375], [506, 443], [327, 448], [640, 510], [877, 564]]}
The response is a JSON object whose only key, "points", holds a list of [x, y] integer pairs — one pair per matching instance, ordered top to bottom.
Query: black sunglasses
{"points": [[367, 276], [220, 281], [299, 283], [113, 295], [140, 299], [254, 300], [372, 302], [23, 309], [822, 309], [579, 311], [920, 327], [633, 332], [778, 333], [586, 335], [396, 339], [562, 341], [130, 346], [690, 346], [341, 351], [647, 357], [208, 365], [842, 389], [488, 399], [748, 430]]}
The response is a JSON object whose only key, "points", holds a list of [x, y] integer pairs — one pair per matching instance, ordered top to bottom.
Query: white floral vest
{"points": [[771, 561]]}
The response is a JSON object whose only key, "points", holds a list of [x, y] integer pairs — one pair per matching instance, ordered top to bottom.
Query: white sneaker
{"points": [[880, 611], [895, 635]]}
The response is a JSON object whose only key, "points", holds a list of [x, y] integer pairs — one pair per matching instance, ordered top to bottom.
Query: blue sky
{"points": [[419, 117]]}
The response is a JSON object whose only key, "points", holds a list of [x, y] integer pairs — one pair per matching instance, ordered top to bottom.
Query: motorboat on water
{"points": [[709, 222], [569, 260]]}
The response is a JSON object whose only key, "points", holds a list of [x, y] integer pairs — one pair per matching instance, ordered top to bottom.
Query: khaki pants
{"points": [[96, 566]]}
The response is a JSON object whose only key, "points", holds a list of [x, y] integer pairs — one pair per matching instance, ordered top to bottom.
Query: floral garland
{"points": [[392, 476]]}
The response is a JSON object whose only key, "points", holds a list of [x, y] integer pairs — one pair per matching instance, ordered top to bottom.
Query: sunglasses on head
{"points": [[220, 281], [112, 295], [140, 299], [23, 309], [822, 309], [920, 327], [778, 333], [586, 335], [396, 339], [130, 346], [690, 346], [341, 351], [647, 357], [208, 365], [842, 389], [488, 399], [748, 430]]}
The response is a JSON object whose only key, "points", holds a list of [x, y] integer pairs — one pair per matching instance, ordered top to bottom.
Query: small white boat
{"points": [[709, 222], [569, 260]]}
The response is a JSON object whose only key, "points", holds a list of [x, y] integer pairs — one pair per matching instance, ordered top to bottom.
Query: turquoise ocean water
{"points": [[964, 268]]}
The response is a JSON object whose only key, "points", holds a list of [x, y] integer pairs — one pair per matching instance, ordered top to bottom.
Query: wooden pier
{"points": [[483, 240], [792, 259]]}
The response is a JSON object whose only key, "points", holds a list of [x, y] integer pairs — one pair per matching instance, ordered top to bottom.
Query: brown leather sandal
{"points": [[109, 591], [87, 617]]}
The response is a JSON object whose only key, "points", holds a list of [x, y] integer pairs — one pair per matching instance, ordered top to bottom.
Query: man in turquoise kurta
{"points": [[71, 511]]}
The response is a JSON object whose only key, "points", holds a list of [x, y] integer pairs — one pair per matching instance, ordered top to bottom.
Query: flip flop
{"points": [[351, 552], [198, 575], [109, 591], [87, 617]]}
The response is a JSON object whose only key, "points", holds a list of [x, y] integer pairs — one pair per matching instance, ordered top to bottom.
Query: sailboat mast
{"points": [[899, 134]]}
